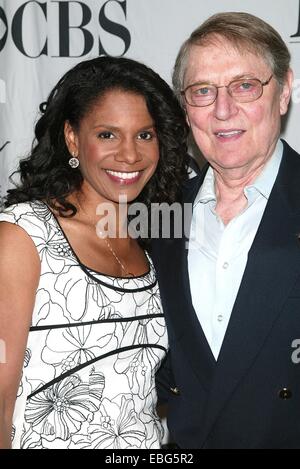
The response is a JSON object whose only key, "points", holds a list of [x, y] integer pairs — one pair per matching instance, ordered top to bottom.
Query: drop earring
{"points": [[74, 161]]}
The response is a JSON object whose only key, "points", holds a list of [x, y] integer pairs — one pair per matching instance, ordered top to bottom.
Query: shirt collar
{"points": [[265, 180], [262, 184], [207, 190]]}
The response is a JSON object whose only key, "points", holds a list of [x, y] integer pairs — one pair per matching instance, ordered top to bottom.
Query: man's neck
{"points": [[229, 189]]}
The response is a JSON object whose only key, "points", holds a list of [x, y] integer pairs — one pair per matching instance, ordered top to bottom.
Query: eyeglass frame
{"points": [[263, 83]]}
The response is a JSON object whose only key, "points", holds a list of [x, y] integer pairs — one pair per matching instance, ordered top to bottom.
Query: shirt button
{"points": [[225, 265], [220, 318], [175, 391], [285, 394]]}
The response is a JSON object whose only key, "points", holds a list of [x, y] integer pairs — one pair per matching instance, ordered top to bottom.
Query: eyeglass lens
{"points": [[245, 90]]}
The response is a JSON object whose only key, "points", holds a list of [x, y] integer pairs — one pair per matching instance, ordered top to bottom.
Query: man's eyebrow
{"points": [[235, 77]]}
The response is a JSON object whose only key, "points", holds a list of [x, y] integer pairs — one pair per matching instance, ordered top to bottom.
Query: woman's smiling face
{"points": [[117, 146]]}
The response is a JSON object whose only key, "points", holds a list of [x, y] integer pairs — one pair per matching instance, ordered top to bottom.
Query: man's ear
{"points": [[286, 92], [187, 119], [71, 139]]}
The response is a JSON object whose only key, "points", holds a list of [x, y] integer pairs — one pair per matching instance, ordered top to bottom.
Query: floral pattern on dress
{"points": [[84, 297], [94, 346], [67, 348], [60, 410], [117, 425]]}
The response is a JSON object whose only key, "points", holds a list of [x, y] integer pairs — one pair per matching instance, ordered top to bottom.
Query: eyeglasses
{"points": [[244, 90]]}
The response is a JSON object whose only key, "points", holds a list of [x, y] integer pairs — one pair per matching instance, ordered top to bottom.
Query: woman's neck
{"points": [[107, 217]]}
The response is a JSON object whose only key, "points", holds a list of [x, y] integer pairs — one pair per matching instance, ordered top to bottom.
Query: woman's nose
{"points": [[128, 152]]}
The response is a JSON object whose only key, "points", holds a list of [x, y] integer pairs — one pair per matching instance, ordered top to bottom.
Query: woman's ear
{"points": [[71, 139]]}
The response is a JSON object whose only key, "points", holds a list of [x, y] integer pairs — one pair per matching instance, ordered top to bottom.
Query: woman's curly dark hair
{"points": [[46, 175]]}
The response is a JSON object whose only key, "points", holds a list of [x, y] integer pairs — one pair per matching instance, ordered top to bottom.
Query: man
{"points": [[231, 288]]}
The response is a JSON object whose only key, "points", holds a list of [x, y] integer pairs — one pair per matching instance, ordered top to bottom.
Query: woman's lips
{"points": [[124, 178]]}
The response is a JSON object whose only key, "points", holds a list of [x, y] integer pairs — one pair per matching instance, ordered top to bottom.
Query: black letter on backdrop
{"points": [[114, 28], [17, 29], [64, 29], [298, 32], [4, 37]]}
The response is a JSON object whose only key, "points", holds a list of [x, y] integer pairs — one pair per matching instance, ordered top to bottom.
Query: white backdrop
{"points": [[40, 40]]}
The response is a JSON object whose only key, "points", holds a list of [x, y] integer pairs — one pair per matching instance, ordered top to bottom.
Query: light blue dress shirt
{"points": [[218, 254]]}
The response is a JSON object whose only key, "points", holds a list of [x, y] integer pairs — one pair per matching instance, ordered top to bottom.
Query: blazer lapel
{"points": [[272, 268], [184, 321]]}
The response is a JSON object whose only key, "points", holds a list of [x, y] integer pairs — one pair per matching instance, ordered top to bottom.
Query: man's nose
{"points": [[224, 105]]}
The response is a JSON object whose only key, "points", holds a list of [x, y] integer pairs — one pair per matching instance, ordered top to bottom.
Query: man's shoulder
{"points": [[290, 153], [289, 170], [192, 185]]}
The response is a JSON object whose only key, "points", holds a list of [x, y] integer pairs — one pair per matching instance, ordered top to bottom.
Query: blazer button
{"points": [[175, 391], [285, 393]]}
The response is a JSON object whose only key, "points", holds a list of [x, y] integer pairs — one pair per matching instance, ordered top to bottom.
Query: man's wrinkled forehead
{"points": [[229, 42], [209, 56]]}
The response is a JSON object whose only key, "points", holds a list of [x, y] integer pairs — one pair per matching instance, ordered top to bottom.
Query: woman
{"points": [[80, 313]]}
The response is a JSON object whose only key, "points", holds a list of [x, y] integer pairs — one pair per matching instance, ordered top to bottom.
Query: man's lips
{"points": [[229, 134], [124, 178]]}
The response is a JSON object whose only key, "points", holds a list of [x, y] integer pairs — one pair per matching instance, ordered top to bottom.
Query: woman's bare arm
{"points": [[19, 278]]}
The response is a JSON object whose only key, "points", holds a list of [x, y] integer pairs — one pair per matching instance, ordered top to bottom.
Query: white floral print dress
{"points": [[94, 347]]}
